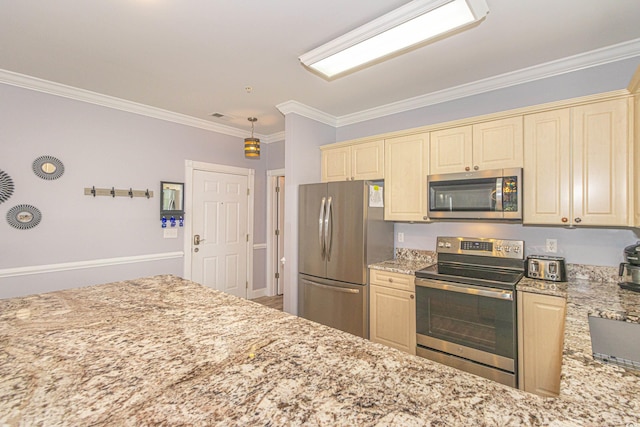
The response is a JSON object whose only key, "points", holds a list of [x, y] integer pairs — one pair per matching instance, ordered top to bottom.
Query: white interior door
{"points": [[220, 231], [280, 236]]}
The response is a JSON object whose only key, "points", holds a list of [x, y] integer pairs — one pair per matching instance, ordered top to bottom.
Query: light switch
{"points": [[170, 233], [400, 237]]}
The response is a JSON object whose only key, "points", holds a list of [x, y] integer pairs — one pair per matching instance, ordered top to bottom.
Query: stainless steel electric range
{"points": [[466, 306]]}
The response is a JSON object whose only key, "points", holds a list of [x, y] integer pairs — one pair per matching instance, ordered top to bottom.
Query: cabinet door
{"points": [[498, 144], [450, 150], [367, 160], [336, 164], [547, 167], [600, 168], [405, 171], [393, 318], [541, 340]]}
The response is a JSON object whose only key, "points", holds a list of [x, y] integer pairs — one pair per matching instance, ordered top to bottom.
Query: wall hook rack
{"points": [[114, 192]]}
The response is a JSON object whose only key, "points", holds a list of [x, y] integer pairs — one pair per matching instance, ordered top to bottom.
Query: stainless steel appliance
{"points": [[491, 194], [341, 230], [632, 256], [545, 267], [466, 306]]}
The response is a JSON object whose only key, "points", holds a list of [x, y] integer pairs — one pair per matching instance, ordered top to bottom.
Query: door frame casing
{"points": [[189, 167], [272, 176]]}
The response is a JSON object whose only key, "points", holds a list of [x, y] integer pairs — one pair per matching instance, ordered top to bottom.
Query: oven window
{"points": [[474, 321]]}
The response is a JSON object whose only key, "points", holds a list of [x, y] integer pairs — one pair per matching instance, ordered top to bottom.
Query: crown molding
{"points": [[589, 59], [52, 88], [301, 109]]}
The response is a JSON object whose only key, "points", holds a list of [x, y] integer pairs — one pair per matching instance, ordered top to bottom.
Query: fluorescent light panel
{"points": [[416, 22]]}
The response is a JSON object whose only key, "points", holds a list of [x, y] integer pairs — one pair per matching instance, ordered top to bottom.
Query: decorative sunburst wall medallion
{"points": [[48, 167], [6, 186], [24, 217]]}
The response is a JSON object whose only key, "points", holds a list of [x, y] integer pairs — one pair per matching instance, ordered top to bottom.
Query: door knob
{"points": [[197, 240]]}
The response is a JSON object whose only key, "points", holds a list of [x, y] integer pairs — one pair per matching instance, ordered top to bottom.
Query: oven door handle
{"points": [[467, 289]]}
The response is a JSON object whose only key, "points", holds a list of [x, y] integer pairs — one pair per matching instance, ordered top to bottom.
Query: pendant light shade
{"points": [[252, 145]]}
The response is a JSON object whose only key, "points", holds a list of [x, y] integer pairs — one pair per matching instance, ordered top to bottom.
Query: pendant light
{"points": [[252, 145]]}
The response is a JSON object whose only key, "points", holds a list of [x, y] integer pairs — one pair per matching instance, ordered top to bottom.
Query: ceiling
{"points": [[198, 57]]}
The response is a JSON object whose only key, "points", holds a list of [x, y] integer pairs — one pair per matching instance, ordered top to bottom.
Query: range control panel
{"points": [[499, 248]]}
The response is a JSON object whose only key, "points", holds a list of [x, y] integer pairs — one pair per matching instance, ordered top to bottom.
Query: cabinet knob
{"points": [[467, 168], [475, 168], [565, 219], [578, 220], [390, 280], [411, 296]]}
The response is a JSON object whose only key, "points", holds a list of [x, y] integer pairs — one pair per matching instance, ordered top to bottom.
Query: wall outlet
{"points": [[400, 237], [552, 245]]}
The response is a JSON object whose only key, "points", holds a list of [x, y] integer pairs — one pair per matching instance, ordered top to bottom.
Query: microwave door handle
{"points": [[499, 194], [320, 223]]}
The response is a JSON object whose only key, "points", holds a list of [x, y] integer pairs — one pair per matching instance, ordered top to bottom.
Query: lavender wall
{"points": [[102, 147]]}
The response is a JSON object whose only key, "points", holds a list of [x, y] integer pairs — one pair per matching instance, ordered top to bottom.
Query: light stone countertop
{"points": [[167, 351]]}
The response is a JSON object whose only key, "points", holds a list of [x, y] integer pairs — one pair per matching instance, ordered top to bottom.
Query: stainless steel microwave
{"points": [[490, 194]]}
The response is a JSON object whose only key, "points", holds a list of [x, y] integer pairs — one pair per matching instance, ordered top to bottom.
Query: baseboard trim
{"points": [[78, 265]]}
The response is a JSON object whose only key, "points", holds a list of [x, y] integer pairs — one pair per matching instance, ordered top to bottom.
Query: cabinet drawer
{"points": [[403, 282]]}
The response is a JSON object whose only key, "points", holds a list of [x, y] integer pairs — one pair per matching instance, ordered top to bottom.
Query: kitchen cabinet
{"points": [[494, 144], [353, 162], [405, 169], [576, 169], [635, 178], [393, 310], [541, 321]]}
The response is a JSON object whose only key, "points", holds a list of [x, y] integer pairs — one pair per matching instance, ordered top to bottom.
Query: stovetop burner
{"points": [[481, 262]]}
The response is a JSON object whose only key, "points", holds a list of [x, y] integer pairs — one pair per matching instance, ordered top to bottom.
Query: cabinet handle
{"points": [[467, 168], [475, 168], [565, 219], [578, 220]]}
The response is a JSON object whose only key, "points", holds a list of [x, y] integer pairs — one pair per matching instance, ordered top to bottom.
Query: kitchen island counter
{"points": [[167, 351]]}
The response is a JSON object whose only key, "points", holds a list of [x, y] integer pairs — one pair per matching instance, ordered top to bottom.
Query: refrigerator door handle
{"points": [[320, 221], [328, 235]]}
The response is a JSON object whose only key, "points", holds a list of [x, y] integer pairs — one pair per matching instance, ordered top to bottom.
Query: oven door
{"points": [[471, 322]]}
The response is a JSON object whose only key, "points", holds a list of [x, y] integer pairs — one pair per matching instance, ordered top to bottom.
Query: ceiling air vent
{"points": [[217, 115]]}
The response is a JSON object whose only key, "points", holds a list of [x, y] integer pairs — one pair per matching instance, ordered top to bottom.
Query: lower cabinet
{"points": [[393, 310], [540, 342]]}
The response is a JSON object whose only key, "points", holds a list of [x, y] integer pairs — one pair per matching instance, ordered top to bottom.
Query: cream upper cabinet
{"points": [[489, 145], [353, 162], [576, 165], [405, 170], [634, 179], [393, 310], [541, 320]]}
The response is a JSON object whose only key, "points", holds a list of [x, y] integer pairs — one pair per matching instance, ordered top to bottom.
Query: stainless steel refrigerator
{"points": [[341, 230]]}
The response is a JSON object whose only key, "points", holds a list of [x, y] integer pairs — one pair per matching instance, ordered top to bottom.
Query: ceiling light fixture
{"points": [[407, 26], [252, 145]]}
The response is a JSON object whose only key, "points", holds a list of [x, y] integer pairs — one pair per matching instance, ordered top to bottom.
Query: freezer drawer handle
{"points": [[320, 220], [333, 288]]}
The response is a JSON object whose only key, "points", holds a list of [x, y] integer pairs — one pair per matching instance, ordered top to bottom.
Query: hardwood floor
{"points": [[273, 302]]}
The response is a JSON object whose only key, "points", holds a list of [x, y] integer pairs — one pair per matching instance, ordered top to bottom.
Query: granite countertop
{"points": [[167, 351]]}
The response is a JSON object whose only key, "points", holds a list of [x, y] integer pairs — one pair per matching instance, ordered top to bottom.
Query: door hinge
{"points": [[277, 189], [248, 192], [277, 232], [247, 237], [277, 275], [246, 285]]}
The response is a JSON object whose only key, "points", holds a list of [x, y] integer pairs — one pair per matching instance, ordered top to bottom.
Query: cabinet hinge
{"points": [[277, 189], [277, 232], [277, 275]]}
